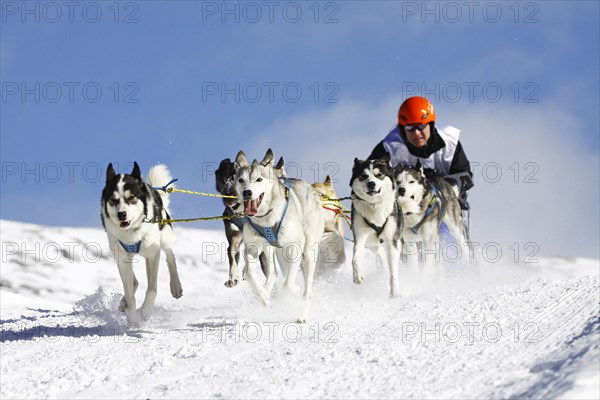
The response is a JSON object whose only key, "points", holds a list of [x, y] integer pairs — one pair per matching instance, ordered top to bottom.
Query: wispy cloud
{"points": [[536, 180]]}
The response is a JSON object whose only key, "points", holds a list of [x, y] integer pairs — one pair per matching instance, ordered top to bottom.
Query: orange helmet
{"points": [[416, 110]]}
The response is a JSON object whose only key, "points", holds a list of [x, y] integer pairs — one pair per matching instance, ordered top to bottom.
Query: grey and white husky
{"points": [[427, 201], [130, 211], [282, 215], [376, 218], [234, 224]]}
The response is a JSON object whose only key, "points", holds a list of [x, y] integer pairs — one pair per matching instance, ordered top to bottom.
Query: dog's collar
{"points": [[354, 196], [431, 204], [265, 214], [131, 247]]}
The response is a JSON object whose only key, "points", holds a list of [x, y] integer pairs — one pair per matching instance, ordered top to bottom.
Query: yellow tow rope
{"points": [[170, 190], [341, 210], [168, 220]]}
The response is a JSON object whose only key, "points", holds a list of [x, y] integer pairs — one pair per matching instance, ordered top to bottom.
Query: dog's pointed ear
{"points": [[268, 158], [386, 158], [241, 160], [225, 162], [280, 163], [223, 166], [419, 167], [355, 169], [398, 169], [279, 170], [110, 172], [136, 173], [327, 181]]}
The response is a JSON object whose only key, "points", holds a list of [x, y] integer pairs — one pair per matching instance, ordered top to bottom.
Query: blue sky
{"points": [[519, 78]]}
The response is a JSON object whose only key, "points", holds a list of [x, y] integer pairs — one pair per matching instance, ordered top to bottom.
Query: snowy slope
{"points": [[523, 331]]}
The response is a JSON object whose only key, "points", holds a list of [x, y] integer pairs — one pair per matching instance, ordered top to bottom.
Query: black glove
{"points": [[463, 182]]}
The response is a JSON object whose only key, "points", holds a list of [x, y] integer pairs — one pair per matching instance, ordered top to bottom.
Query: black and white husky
{"points": [[428, 202], [131, 211], [283, 215], [376, 219]]}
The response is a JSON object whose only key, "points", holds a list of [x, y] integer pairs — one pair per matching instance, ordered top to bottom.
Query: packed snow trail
{"points": [[514, 332]]}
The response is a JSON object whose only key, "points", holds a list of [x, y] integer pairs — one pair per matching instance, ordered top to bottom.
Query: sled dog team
{"points": [[270, 213]]}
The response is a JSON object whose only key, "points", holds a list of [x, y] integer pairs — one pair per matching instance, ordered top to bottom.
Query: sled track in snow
{"points": [[548, 328], [63, 338]]}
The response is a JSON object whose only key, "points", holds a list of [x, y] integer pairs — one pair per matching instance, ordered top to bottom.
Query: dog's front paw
{"points": [[358, 278], [231, 283], [293, 288], [176, 289], [262, 296], [264, 299], [146, 313], [133, 320], [132, 325]]}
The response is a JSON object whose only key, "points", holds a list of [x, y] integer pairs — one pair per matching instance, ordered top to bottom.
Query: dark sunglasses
{"points": [[412, 128]]}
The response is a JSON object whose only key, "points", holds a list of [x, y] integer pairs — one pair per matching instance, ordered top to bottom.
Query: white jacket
{"points": [[440, 160]]}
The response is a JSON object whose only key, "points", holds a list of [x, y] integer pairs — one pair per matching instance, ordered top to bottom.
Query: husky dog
{"points": [[428, 202], [130, 208], [332, 210], [284, 215], [376, 218], [234, 224], [331, 249]]}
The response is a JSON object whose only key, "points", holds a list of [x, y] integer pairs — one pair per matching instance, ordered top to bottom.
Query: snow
{"points": [[513, 331]]}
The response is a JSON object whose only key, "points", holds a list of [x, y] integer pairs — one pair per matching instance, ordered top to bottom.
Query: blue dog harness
{"points": [[166, 187], [432, 203], [271, 234], [131, 247], [135, 247]]}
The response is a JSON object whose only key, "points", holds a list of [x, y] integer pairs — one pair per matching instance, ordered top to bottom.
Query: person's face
{"points": [[418, 137]]}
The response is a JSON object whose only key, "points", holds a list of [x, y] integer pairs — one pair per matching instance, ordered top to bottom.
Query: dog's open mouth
{"points": [[374, 192], [251, 206], [124, 224]]}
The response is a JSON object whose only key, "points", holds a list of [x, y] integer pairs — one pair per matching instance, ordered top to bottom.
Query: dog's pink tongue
{"points": [[250, 207]]}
